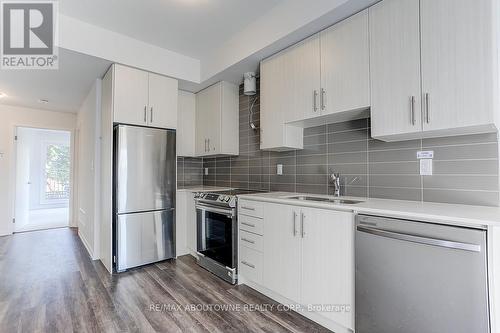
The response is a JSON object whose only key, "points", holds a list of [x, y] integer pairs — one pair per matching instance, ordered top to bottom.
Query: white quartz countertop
{"points": [[203, 189], [463, 215]]}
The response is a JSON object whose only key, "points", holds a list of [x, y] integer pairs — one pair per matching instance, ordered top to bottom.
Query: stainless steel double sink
{"points": [[323, 199]]}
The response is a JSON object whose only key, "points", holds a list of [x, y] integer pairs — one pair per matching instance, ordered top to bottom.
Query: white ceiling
{"points": [[190, 27], [65, 89]]}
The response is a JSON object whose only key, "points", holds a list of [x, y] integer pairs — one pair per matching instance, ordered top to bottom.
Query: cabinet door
{"points": [[457, 62], [395, 68], [345, 73], [301, 80], [130, 96], [162, 101], [208, 108], [271, 111], [186, 121], [282, 246], [328, 262]]}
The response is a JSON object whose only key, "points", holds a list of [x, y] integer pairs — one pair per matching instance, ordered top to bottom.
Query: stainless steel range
{"points": [[217, 232]]}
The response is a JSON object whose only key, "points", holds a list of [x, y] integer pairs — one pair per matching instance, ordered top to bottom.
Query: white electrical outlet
{"points": [[426, 167], [279, 169], [206, 171]]}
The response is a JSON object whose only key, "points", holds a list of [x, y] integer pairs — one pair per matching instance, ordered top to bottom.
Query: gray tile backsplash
{"points": [[465, 167], [189, 172]]}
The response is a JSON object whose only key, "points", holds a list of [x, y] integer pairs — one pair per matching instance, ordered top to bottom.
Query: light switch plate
{"points": [[426, 167], [279, 169]]}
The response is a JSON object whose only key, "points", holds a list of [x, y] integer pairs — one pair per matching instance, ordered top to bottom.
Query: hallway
{"points": [[49, 284]]}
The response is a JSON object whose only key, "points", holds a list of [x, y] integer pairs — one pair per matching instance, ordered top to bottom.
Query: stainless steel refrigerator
{"points": [[144, 196]]}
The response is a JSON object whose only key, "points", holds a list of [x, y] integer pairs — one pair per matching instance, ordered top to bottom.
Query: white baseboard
{"points": [[87, 246], [314, 316]]}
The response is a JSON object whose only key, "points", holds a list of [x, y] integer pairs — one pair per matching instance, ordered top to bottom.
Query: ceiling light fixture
{"points": [[2, 94], [43, 101]]}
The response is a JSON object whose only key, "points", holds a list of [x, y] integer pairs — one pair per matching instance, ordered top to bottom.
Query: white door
{"points": [[457, 62], [395, 68], [345, 73], [301, 80], [130, 97], [163, 99], [208, 103], [272, 111], [186, 123], [23, 180], [282, 248], [328, 262]]}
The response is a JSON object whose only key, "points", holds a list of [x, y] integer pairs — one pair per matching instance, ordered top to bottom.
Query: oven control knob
{"points": [[227, 198]]}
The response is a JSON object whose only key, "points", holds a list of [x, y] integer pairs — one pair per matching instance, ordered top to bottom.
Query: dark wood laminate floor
{"points": [[49, 284]]}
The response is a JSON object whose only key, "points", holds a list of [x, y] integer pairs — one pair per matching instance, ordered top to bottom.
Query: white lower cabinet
{"points": [[282, 249], [307, 258], [328, 263]]}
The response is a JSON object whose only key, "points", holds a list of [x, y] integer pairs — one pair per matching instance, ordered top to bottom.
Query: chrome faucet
{"points": [[335, 181]]}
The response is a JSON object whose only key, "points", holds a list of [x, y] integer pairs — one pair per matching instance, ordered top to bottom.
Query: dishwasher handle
{"points": [[419, 239]]}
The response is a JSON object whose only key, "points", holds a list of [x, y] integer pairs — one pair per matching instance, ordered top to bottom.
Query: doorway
{"points": [[43, 179]]}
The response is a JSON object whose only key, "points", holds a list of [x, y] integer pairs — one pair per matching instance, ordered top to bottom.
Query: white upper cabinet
{"points": [[446, 47], [458, 63], [395, 68], [345, 74], [299, 77], [313, 81], [130, 95], [142, 98], [162, 102], [275, 106], [217, 116], [186, 124]]}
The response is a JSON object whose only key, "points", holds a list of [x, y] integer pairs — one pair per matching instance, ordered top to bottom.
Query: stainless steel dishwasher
{"points": [[420, 277]]}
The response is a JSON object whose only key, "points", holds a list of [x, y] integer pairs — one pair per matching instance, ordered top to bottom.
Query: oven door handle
{"points": [[228, 212]]}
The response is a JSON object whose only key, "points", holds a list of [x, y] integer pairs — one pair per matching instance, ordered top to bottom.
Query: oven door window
{"points": [[215, 237]]}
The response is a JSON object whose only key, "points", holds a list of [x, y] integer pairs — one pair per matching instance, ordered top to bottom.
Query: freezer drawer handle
{"points": [[419, 239]]}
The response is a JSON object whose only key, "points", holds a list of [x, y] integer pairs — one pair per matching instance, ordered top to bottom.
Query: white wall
{"points": [[12, 116], [87, 173]]}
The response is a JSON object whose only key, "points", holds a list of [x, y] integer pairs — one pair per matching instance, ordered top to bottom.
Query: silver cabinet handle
{"points": [[315, 97], [323, 97], [427, 108], [412, 110], [151, 111], [145, 114], [248, 208], [302, 222], [248, 224], [294, 224], [420, 239], [248, 240], [247, 264]]}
